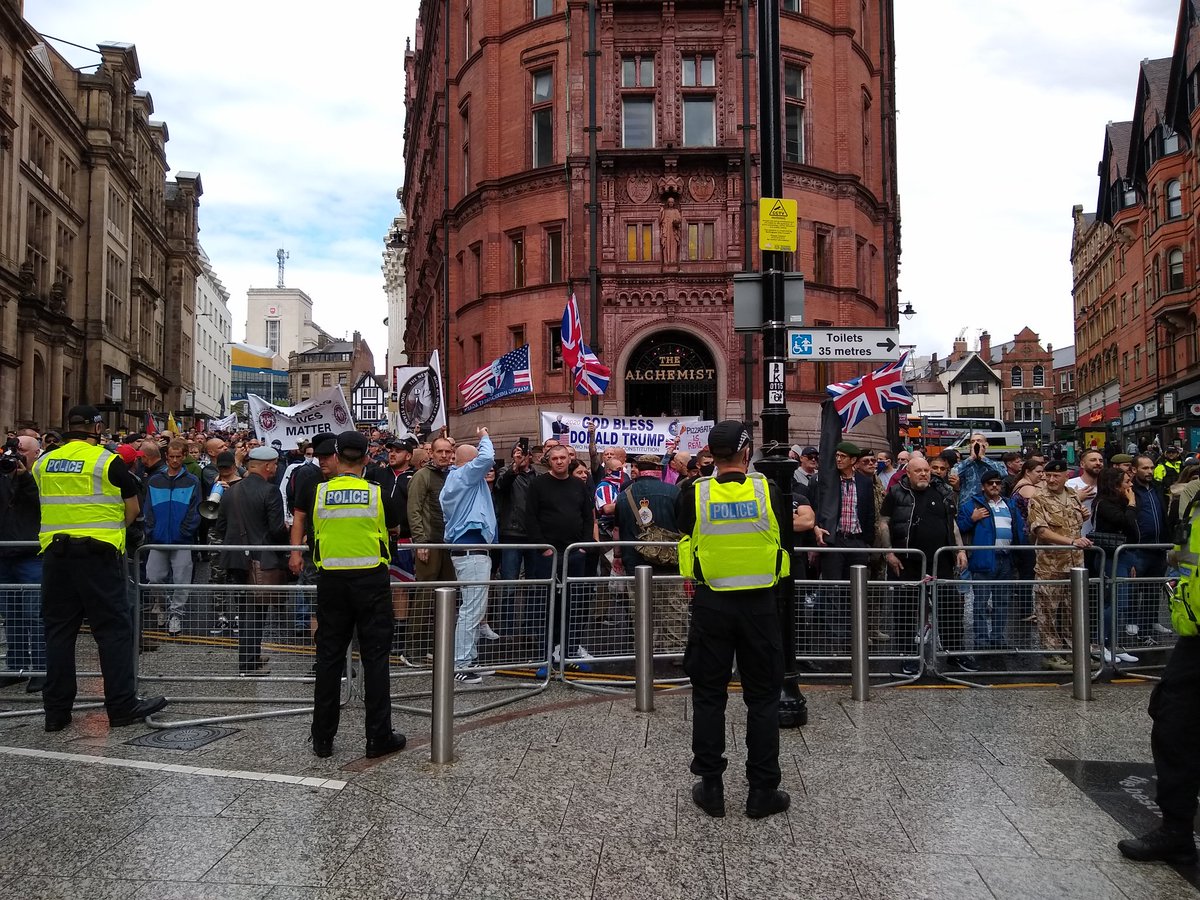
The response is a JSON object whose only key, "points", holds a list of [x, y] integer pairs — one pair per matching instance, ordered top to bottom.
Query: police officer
{"points": [[88, 498], [350, 531], [731, 547], [1175, 736]]}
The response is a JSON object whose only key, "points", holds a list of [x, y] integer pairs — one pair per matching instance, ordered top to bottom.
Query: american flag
{"points": [[572, 334], [591, 375], [504, 377], [869, 394]]}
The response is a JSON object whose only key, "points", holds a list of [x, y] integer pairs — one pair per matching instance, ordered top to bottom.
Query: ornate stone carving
{"points": [[702, 187], [639, 188]]}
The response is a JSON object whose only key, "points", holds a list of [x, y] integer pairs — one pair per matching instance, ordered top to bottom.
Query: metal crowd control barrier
{"points": [[518, 610], [596, 620], [896, 622], [999, 622], [219, 635], [1139, 636], [24, 653]]}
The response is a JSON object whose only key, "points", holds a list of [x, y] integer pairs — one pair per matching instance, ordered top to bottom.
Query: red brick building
{"points": [[495, 251], [1135, 261], [1026, 369]]}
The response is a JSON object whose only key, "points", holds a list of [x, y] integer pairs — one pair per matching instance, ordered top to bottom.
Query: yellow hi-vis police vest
{"points": [[77, 497], [348, 525], [735, 544], [1185, 599]]}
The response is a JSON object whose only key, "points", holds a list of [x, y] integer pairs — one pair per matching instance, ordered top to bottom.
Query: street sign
{"points": [[777, 223], [747, 301], [841, 344], [775, 391]]}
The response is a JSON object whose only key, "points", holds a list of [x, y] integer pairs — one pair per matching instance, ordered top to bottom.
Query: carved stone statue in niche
{"points": [[670, 229]]}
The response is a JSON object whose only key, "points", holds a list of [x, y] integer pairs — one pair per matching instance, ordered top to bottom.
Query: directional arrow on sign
{"points": [[889, 344]]}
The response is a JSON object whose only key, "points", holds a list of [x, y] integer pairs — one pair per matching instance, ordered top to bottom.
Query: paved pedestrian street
{"points": [[924, 793]]}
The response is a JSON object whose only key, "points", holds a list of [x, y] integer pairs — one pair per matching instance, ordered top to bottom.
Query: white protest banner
{"points": [[419, 396], [327, 411], [226, 424], [632, 433]]}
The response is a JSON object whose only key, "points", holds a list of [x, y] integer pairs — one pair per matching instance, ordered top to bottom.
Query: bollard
{"points": [[1080, 635], [643, 638], [860, 664], [441, 743]]}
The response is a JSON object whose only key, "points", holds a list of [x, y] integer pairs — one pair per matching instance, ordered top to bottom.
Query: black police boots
{"points": [[139, 711], [322, 746], [383, 746], [709, 795], [766, 802], [1161, 845]]}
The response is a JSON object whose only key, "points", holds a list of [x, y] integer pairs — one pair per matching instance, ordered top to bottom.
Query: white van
{"points": [[999, 443]]}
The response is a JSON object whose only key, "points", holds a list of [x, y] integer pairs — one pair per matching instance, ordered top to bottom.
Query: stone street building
{"points": [[499, 192], [98, 250], [331, 364]]}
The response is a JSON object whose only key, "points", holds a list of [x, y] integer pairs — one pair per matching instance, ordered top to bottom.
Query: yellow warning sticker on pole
{"points": [[777, 224]]}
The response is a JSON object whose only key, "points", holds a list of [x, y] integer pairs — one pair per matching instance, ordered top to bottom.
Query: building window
{"points": [[790, 6], [542, 8], [864, 22], [467, 45], [637, 71], [699, 71], [465, 113], [542, 113], [793, 113], [637, 121], [699, 122], [866, 131], [1170, 140], [41, 149], [67, 172], [1174, 200], [701, 240], [639, 242], [37, 243], [554, 251], [64, 252], [823, 254], [517, 259], [477, 265], [1175, 270], [1157, 278], [116, 286], [273, 335], [516, 335], [554, 359], [1039, 376], [1017, 378], [326, 379], [343, 379], [305, 380], [1066, 381], [979, 388], [1027, 410], [977, 412]]}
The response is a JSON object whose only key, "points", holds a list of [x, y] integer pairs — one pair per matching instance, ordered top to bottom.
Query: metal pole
{"points": [[593, 55], [643, 638], [1080, 640], [860, 680], [441, 742]]}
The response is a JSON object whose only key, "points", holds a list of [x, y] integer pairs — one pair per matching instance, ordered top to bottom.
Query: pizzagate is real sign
{"points": [[635, 434]]}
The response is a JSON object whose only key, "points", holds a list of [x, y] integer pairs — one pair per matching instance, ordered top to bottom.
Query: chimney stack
{"points": [[985, 347], [959, 352], [933, 364]]}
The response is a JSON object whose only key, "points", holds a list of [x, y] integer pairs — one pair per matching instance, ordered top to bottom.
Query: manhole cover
{"points": [[188, 738]]}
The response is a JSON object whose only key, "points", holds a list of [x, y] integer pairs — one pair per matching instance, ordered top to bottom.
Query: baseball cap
{"points": [[84, 415], [728, 437], [405, 443], [324, 444], [351, 444], [1170, 449], [810, 451], [128, 453], [264, 454], [226, 459]]}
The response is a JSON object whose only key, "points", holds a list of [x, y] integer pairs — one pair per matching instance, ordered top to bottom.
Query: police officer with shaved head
{"points": [[88, 499], [731, 548], [351, 552]]}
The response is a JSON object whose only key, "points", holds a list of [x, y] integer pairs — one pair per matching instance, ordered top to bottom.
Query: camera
{"points": [[10, 457]]}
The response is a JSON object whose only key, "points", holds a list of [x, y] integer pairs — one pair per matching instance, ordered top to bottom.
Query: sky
{"points": [[294, 118]]}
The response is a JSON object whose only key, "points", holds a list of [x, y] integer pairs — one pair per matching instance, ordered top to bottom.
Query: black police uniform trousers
{"points": [[84, 577], [346, 600], [745, 624], [1175, 737]]}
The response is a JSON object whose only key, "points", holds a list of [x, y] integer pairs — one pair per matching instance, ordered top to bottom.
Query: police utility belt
{"points": [[66, 544]]}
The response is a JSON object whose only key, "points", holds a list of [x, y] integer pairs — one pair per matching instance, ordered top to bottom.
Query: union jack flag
{"points": [[572, 334], [591, 375], [869, 394]]}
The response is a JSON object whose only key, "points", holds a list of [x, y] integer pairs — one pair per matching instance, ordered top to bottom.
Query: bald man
{"points": [[471, 522]]}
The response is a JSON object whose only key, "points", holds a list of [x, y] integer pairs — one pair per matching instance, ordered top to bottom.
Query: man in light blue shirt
{"points": [[975, 465], [470, 520]]}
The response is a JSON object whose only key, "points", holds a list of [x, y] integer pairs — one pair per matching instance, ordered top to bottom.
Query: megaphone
{"points": [[209, 507]]}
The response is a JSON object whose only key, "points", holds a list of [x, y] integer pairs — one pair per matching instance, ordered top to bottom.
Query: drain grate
{"points": [[188, 738]]}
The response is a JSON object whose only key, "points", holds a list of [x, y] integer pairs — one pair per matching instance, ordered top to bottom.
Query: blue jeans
{"points": [[576, 566], [475, 567], [992, 603], [21, 610], [503, 615]]}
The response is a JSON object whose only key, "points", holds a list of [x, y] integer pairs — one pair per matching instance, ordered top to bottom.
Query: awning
{"points": [[1110, 412]]}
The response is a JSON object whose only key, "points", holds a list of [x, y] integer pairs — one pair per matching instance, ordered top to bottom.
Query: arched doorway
{"points": [[671, 373]]}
